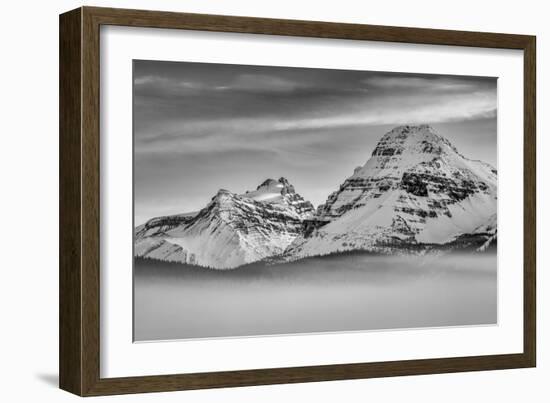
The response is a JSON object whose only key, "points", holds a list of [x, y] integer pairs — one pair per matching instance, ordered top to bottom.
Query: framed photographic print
{"points": [[249, 201]]}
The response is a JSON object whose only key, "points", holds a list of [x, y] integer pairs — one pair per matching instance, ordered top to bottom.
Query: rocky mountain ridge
{"points": [[415, 189], [415, 192], [233, 229]]}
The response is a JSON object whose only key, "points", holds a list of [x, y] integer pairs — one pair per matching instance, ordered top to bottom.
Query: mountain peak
{"points": [[413, 128], [414, 138], [284, 181], [267, 182], [280, 186], [416, 189], [280, 191], [222, 193], [222, 197], [231, 230]]}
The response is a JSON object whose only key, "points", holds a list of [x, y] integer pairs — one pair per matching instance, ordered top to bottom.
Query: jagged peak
{"points": [[413, 128], [403, 133], [418, 138], [284, 181], [267, 182], [274, 182], [281, 185], [270, 190], [278, 191], [222, 192], [222, 196]]}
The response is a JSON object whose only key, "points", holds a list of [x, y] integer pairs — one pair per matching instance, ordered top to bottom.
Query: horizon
{"points": [[201, 127]]}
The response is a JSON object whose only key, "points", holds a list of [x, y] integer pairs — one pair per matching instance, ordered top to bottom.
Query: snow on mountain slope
{"points": [[416, 188], [280, 192], [159, 225], [231, 230], [489, 230]]}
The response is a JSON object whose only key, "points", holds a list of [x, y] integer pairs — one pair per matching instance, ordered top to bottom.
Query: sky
{"points": [[201, 127]]}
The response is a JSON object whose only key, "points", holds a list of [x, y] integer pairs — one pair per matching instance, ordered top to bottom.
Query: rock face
{"points": [[416, 189], [231, 230]]}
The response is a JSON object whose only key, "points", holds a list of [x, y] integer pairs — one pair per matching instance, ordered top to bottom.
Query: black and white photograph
{"points": [[274, 200]]}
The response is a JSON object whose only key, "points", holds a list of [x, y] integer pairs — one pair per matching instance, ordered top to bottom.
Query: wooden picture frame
{"points": [[79, 347]]}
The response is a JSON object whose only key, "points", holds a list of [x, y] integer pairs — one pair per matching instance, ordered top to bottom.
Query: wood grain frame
{"points": [[79, 321]]}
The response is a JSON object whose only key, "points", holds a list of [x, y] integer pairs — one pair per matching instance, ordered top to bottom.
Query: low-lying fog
{"points": [[336, 293]]}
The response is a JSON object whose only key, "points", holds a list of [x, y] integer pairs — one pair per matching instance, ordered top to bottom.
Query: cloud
{"points": [[255, 83], [262, 83], [425, 83], [245, 86], [168, 87], [453, 109], [203, 135]]}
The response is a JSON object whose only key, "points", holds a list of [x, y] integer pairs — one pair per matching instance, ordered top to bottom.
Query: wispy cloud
{"points": [[255, 83], [262, 83], [252, 84], [424, 84], [165, 86], [204, 135]]}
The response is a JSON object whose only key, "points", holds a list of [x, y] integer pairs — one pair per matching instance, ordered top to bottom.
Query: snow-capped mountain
{"points": [[416, 189], [415, 192], [232, 230]]}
